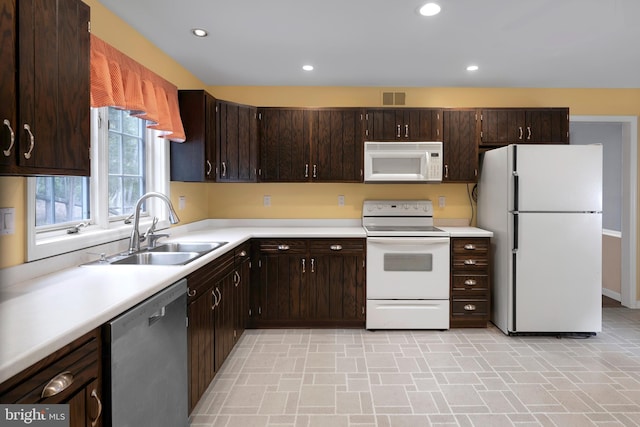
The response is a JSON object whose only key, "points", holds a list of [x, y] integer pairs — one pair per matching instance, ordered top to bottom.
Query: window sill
{"points": [[56, 243]]}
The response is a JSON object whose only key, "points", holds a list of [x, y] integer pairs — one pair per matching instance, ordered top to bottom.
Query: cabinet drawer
{"points": [[284, 246], [337, 246], [470, 246], [470, 262], [202, 279], [469, 283], [469, 307], [70, 371]]}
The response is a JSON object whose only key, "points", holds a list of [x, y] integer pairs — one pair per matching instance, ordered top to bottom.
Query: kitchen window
{"points": [[128, 160]]}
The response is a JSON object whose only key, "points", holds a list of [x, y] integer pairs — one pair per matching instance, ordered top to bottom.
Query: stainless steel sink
{"points": [[188, 247], [175, 253], [159, 258]]}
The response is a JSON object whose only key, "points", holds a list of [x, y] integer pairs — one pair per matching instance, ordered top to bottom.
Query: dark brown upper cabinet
{"points": [[46, 108], [403, 124], [503, 126], [237, 142], [310, 145], [460, 145], [194, 160]]}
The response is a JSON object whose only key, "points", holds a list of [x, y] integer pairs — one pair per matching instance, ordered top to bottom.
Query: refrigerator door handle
{"points": [[515, 232]]}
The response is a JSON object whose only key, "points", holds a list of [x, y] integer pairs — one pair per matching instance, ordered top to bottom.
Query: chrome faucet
{"points": [[134, 240]]}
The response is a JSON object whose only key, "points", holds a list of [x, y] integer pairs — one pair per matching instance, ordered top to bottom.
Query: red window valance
{"points": [[121, 82]]}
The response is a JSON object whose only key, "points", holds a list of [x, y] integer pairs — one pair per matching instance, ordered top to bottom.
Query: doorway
{"points": [[625, 129]]}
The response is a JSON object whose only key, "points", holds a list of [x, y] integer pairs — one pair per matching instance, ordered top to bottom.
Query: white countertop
{"points": [[41, 315]]}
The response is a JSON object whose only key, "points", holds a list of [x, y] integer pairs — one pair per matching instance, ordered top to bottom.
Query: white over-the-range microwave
{"points": [[402, 161]]}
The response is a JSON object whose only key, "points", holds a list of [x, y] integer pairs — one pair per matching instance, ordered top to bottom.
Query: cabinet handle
{"points": [[398, 131], [406, 131], [528, 132], [520, 133], [32, 141], [7, 152], [209, 167], [224, 169], [306, 170], [315, 171], [446, 171], [283, 247], [335, 247], [470, 247], [242, 253], [469, 262], [304, 265], [313, 265], [236, 278], [470, 282], [191, 292], [219, 295], [215, 299], [470, 307], [57, 384], [94, 394]]}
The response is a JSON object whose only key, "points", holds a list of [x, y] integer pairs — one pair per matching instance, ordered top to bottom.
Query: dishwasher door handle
{"points": [[157, 316]]}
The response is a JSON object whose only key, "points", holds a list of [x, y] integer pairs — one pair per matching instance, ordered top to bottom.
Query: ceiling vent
{"points": [[394, 98]]}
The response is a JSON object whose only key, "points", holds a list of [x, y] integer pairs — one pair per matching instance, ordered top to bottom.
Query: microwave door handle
{"points": [[408, 241]]}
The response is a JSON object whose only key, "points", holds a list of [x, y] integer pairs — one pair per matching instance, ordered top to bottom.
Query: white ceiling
{"points": [[516, 43]]}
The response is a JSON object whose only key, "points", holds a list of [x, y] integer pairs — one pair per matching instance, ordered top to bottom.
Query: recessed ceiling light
{"points": [[429, 9], [199, 32], [307, 67], [472, 68]]}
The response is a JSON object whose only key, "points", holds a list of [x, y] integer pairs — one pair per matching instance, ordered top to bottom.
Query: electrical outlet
{"points": [[266, 200], [341, 200], [441, 201], [182, 202]]}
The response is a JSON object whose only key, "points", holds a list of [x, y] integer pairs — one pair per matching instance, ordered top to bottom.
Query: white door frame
{"points": [[628, 291]]}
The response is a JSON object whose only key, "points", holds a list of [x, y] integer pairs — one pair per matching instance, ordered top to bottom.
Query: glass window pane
{"points": [[115, 120], [115, 153], [131, 156], [115, 196], [61, 199]]}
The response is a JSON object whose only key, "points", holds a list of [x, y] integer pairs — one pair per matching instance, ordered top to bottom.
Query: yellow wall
{"points": [[310, 200]]}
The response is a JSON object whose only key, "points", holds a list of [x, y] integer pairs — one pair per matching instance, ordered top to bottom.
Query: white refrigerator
{"points": [[544, 206]]}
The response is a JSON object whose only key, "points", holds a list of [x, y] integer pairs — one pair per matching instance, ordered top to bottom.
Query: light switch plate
{"points": [[266, 200], [341, 200], [441, 201], [182, 202], [7, 220]]}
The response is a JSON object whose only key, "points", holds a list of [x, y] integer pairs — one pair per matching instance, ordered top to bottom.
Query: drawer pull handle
{"points": [[32, 141], [283, 247], [335, 247], [470, 247], [243, 253], [469, 262], [470, 282], [192, 292], [470, 307], [58, 384], [94, 394]]}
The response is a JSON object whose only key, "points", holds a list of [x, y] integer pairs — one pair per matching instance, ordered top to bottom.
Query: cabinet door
{"points": [[8, 84], [53, 95], [403, 124], [382, 125], [549, 125], [502, 126], [237, 142], [284, 145], [337, 145], [460, 146], [194, 160], [336, 280], [242, 288], [283, 294], [224, 318], [200, 340]]}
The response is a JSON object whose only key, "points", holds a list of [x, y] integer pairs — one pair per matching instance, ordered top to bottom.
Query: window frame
{"points": [[50, 241]]}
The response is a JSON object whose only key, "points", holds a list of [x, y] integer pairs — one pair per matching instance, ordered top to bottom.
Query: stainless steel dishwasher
{"points": [[146, 362]]}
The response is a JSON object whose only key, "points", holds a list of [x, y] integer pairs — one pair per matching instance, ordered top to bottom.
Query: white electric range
{"points": [[407, 266]]}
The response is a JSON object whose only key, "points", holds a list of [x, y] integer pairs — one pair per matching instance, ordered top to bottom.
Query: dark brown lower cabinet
{"points": [[470, 282], [309, 283], [218, 299], [79, 364]]}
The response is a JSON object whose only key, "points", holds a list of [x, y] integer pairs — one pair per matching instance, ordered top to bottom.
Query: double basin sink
{"points": [[165, 254]]}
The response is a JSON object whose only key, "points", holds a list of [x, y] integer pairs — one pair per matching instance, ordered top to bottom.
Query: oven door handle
{"points": [[408, 240]]}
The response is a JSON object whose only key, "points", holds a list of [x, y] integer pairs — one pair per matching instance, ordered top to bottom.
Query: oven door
{"points": [[408, 268]]}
